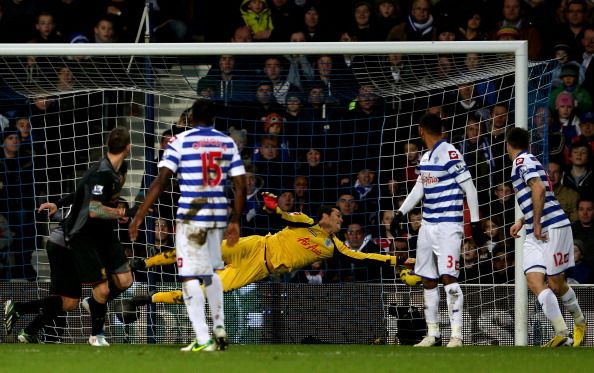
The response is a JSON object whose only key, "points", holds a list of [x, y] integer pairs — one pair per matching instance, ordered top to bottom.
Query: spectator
{"points": [[256, 15], [388, 16], [513, 16], [284, 18], [362, 24], [418, 26], [472, 27], [314, 29], [46, 31], [104, 31], [572, 31], [562, 55], [585, 58], [301, 71], [569, 75], [334, 79], [227, 84], [281, 86], [466, 104], [263, 105], [565, 119], [586, 129], [496, 138], [240, 139], [269, 163], [408, 171], [320, 173], [579, 176], [366, 193], [566, 196], [304, 202], [17, 204], [502, 205], [349, 209], [251, 216], [584, 230], [494, 233], [386, 238], [358, 239], [503, 263], [475, 268], [582, 272], [314, 274]]}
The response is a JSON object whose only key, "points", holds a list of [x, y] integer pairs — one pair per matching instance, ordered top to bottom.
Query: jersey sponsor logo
{"points": [[453, 154], [519, 161], [429, 180], [97, 190], [295, 213], [307, 244]]}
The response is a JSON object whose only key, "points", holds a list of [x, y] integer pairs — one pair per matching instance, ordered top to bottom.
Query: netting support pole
{"points": [[521, 120]]}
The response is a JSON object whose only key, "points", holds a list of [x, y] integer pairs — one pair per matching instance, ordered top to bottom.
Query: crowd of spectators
{"points": [[311, 130]]}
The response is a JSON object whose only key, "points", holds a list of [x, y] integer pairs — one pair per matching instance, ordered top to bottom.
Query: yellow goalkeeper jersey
{"points": [[302, 242]]}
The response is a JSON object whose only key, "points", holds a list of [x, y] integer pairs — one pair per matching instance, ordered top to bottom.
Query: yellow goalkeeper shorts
{"points": [[244, 263]]}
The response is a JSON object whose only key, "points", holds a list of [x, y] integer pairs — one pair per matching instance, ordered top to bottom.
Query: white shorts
{"points": [[198, 250], [438, 250], [551, 257]]}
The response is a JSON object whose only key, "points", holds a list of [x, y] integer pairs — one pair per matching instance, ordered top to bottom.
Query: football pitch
{"points": [[291, 358]]}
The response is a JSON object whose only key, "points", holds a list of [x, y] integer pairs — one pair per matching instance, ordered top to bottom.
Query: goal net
{"points": [[332, 124]]}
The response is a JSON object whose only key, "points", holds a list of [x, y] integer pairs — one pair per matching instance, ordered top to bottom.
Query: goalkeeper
{"points": [[254, 258]]}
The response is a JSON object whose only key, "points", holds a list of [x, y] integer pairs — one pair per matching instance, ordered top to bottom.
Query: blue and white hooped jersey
{"points": [[203, 158], [524, 168], [441, 171]]}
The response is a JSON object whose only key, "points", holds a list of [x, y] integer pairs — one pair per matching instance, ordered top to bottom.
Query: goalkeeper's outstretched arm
{"points": [[161, 259]]}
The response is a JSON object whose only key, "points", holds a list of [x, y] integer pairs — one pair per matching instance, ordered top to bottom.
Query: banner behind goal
{"points": [[331, 123]]}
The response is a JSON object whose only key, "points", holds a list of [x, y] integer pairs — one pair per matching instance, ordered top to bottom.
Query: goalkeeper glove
{"points": [[270, 201], [395, 224], [477, 235], [138, 264]]}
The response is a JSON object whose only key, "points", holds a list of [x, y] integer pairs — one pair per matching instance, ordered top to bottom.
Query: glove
{"points": [[270, 201], [131, 211], [395, 224], [477, 235], [137, 264], [409, 277]]}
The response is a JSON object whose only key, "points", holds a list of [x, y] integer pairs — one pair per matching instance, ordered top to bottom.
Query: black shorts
{"points": [[96, 257], [63, 274]]}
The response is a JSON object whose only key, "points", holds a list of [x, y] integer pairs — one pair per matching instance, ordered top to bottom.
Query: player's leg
{"points": [[561, 246], [193, 262], [448, 263], [535, 265], [426, 268], [213, 288]]}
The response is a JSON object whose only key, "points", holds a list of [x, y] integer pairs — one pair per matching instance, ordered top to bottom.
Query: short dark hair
{"points": [[203, 111], [431, 123], [518, 138], [118, 139], [325, 209]]}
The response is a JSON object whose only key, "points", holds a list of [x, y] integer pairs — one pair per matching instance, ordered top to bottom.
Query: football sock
{"points": [[164, 258], [114, 291], [214, 295], [171, 297], [431, 298], [194, 300], [455, 301], [570, 302], [34, 305], [550, 307], [50, 308], [98, 311]]}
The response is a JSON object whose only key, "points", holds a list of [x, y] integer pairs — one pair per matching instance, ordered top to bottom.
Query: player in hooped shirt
{"points": [[203, 159], [443, 181], [548, 248]]}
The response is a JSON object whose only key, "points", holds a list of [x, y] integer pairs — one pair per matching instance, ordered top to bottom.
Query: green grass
{"points": [[291, 358]]}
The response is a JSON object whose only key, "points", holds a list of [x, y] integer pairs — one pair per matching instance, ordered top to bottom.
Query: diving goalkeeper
{"points": [[254, 258]]}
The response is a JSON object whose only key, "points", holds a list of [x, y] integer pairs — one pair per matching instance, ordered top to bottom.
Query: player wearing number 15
{"points": [[203, 159], [548, 248]]}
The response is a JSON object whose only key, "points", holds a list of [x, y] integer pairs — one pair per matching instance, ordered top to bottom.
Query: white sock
{"points": [[214, 295], [431, 298], [194, 300], [455, 300], [570, 302], [550, 307]]}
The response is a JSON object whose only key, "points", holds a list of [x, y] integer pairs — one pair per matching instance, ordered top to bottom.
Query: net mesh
{"points": [[324, 129]]}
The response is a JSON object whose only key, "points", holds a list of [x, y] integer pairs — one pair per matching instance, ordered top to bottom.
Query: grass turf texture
{"points": [[291, 358]]}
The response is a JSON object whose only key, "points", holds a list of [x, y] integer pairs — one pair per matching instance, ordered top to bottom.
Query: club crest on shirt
{"points": [[453, 154], [519, 161], [97, 190], [328, 242]]}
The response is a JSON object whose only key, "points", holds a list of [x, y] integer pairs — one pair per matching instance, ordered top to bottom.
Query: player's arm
{"points": [[155, 190], [537, 192], [413, 198], [294, 219], [232, 232], [161, 259], [367, 259]]}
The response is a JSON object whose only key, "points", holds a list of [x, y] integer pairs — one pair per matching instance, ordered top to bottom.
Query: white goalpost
{"points": [[110, 84]]}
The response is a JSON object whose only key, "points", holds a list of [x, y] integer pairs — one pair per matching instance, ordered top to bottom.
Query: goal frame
{"points": [[518, 48]]}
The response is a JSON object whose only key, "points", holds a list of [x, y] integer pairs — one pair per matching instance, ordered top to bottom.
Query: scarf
{"points": [[422, 28]]}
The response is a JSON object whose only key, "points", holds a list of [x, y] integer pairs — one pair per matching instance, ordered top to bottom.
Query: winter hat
{"points": [[507, 31], [569, 69], [564, 99], [587, 117], [272, 119], [10, 130]]}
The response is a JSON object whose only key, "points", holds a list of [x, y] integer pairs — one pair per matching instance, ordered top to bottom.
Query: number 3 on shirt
{"points": [[209, 163]]}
